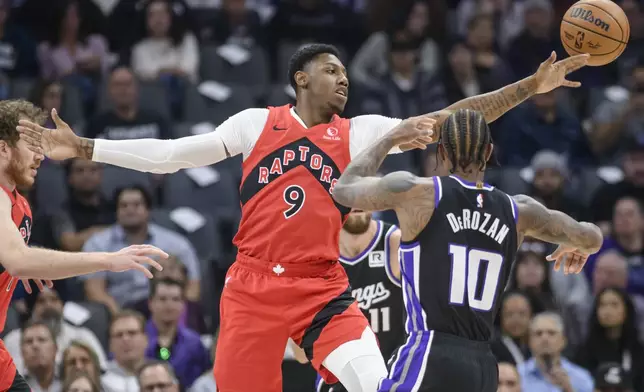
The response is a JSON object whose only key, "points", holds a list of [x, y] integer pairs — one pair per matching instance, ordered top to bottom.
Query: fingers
{"points": [[551, 59], [569, 83], [57, 120], [33, 128], [147, 250], [556, 254], [557, 264], [139, 265], [49, 283], [39, 284], [27, 285]]}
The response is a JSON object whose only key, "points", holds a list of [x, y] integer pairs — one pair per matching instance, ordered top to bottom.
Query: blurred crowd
{"points": [[121, 69]]}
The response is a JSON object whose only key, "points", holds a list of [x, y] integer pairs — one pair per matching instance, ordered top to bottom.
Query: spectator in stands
{"points": [[508, 17], [235, 23], [537, 34], [480, 38], [17, 49], [633, 51], [71, 53], [169, 53], [372, 61], [403, 91], [48, 94], [617, 117], [126, 120], [543, 123], [550, 173], [632, 185], [86, 211], [627, 237], [611, 271], [531, 274], [123, 289], [47, 307], [192, 316], [613, 336], [168, 340], [127, 344], [512, 344], [38, 348], [79, 357], [548, 370], [157, 375], [610, 377], [509, 380], [80, 382], [206, 382]]}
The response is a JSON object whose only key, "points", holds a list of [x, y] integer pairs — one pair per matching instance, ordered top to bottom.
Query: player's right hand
{"points": [[414, 132], [58, 144], [136, 257], [572, 259]]}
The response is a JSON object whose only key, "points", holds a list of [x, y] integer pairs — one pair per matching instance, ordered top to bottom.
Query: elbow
{"points": [[340, 194], [594, 238], [14, 266]]}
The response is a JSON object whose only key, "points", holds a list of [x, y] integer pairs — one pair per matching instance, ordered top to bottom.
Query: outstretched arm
{"points": [[493, 105], [234, 136], [574, 238]]}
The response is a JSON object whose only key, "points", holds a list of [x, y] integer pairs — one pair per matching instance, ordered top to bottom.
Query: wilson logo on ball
{"points": [[587, 16]]}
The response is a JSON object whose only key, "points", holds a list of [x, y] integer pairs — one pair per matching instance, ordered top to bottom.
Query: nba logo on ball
{"points": [[597, 27], [332, 134]]}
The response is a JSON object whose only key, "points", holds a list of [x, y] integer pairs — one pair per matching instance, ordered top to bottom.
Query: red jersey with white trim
{"points": [[288, 214], [21, 216]]}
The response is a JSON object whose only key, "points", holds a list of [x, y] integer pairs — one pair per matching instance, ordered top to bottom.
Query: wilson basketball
{"points": [[597, 27]]}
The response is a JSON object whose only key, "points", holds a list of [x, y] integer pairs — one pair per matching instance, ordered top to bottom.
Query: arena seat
{"points": [[253, 73], [20, 88], [277, 95], [152, 96], [72, 107], [199, 108], [118, 177], [51, 187], [99, 321], [12, 322]]}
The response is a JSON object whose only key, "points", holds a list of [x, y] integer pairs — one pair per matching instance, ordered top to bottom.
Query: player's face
{"points": [[328, 82], [23, 165], [358, 222], [611, 310], [515, 316], [546, 337], [127, 340], [38, 348], [508, 379]]}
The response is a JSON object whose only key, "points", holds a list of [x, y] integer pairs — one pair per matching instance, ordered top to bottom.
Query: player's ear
{"points": [[301, 79], [5, 149]]}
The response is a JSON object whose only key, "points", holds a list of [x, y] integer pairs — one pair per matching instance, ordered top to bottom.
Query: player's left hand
{"points": [[552, 74], [414, 132], [57, 144], [572, 259], [39, 283]]}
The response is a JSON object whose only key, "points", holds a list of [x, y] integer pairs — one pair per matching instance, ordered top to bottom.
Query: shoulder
{"points": [[254, 116], [367, 122], [168, 234], [192, 337]]}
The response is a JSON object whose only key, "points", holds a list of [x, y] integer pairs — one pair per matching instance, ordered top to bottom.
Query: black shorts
{"points": [[438, 362], [19, 384]]}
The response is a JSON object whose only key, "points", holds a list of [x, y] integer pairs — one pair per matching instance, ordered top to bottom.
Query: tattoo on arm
{"points": [[496, 103], [86, 148], [553, 226]]}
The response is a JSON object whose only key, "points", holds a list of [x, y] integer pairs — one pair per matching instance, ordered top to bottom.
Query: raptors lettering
{"points": [[302, 155]]}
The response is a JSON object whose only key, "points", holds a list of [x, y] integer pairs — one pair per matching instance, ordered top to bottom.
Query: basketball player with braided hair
{"points": [[459, 239]]}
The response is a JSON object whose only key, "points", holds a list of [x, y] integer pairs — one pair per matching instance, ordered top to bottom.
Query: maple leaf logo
{"points": [[278, 269]]}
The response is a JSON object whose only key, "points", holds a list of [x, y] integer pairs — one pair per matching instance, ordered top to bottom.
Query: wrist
{"points": [[531, 85]]}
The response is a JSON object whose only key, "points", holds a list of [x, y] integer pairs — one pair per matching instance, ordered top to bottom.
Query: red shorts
{"points": [[263, 304], [10, 380]]}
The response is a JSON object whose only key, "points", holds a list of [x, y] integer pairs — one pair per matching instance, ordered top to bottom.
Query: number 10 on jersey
{"points": [[466, 264]]}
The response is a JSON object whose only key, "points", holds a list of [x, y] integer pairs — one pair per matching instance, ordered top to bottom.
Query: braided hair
{"points": [[465, 137]]}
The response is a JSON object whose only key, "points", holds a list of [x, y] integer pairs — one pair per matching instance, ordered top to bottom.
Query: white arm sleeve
{"points": [[365, 130], [237, 135]]}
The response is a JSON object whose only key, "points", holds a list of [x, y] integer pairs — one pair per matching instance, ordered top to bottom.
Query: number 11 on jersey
{"points": [[466, 264]]}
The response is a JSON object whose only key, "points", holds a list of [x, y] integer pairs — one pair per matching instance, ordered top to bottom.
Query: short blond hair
{"points": [[12, 111]]}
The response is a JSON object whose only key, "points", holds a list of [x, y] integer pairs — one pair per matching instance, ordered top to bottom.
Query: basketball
{"points": [[597, 27]]}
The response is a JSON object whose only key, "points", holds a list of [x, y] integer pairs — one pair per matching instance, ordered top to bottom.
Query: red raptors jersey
{"points": [[288, 214], [21, 215]]}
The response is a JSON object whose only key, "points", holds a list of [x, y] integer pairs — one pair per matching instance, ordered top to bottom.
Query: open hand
{"points": [[551, 74], [414, 132], [58, 144], [135, 257], [572, 258], [39, 283]]}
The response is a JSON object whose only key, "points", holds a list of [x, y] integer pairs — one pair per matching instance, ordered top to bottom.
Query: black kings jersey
{"points": [[455, 270], [378, 294]]}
